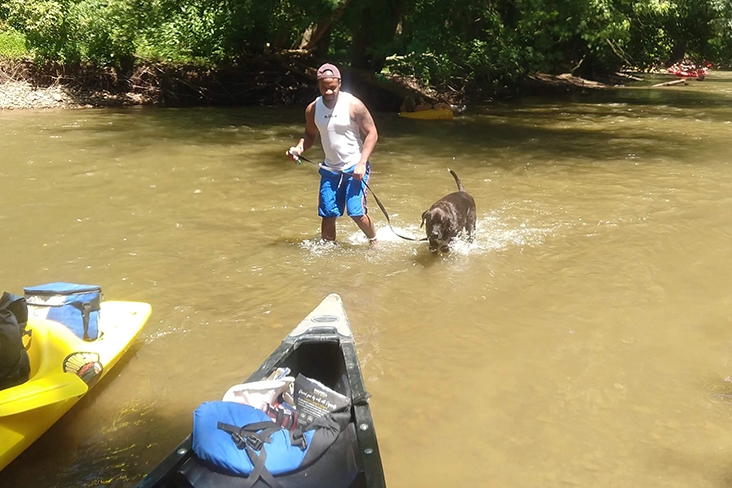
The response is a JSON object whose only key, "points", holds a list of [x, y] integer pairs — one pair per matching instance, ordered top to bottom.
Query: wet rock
{"points": [[16, 95], [21, 95]]}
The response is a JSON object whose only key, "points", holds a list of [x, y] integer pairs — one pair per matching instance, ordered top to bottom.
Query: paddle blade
{"points": [[40, 393]]}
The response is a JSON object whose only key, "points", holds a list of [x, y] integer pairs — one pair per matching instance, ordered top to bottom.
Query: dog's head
{"points": [[438, 223]]}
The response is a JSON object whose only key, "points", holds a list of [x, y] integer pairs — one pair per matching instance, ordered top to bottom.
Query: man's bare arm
{"points": [[366, 123], [309, 136]]}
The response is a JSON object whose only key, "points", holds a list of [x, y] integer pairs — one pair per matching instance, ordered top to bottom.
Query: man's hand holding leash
{"points": [[295, 152], [359, 171]]}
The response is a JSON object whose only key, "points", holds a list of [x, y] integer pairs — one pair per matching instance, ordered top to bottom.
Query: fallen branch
{"points": [[627, 76], [672, 83]]}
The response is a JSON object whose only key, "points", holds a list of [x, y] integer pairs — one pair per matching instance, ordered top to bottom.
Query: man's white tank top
{"points": [[341, 136]]}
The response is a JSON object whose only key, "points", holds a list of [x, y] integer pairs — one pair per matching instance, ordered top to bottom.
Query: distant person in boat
{"points": [[409, 105], [422, 105], [428, 106], [348, 136]]}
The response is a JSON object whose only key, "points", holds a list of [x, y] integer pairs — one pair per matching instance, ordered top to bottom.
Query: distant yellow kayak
{"points": [[431, 114], [63, 368]]}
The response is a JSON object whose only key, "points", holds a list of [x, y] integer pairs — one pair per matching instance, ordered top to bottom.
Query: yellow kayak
{"points": [[431, 114], [63, 368]]}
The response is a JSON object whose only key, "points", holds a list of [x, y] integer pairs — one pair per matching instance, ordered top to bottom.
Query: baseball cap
{"points": [[328, 71]]}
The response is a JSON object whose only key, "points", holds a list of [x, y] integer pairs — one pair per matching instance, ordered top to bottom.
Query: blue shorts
{"points": [[340, 192]]}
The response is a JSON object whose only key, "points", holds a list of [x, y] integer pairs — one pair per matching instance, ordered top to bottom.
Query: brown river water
{"points": [[583, 339]]}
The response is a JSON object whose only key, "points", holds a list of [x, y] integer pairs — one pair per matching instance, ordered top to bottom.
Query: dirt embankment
{"points": [[271, 81], [25, 85], [16, 95]]}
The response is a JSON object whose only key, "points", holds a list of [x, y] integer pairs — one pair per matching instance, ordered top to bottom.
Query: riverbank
{"points": [[25, 86], [22, 95]]}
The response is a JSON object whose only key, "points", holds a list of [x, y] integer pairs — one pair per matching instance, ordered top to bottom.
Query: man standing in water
{"points": [[341, 119]]}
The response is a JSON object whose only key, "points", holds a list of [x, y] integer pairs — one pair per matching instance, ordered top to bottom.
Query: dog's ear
{"points": [[424, 217]]}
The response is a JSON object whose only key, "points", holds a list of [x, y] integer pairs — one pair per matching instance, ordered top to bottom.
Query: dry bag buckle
{"points": [[251, 440], [239, 441], [254, 442]]}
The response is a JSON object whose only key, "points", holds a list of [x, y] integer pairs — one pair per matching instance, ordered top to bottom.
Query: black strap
{"points": [[378, 202], [85, 311], [253, 435], [251, 438], [259, 471]]}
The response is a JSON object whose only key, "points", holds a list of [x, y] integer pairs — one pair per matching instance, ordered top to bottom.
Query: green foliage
{"points": [[42, 22], [95, 31], [103, 31], [219, 31], [666, 31], [466, 42], [486, 43], [496, 43], [720, 43], [12, 44]]}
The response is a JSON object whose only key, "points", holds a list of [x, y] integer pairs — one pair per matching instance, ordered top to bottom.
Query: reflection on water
{"points": [[582, 338]]}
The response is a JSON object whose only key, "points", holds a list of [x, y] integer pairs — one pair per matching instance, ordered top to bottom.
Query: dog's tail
{"points": [[457, 180]]}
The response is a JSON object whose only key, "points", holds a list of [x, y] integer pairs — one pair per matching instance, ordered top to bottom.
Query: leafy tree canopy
{"points": [[461, 43]]}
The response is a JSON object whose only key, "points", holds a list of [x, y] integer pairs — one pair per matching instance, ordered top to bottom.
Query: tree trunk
{"points": [[317, 37], [678, 52]]}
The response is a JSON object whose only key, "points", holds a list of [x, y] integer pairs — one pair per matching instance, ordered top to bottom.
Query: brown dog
{"points": [[449, 216]]}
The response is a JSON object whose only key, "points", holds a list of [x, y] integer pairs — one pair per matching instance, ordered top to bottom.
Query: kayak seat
{"points": [[336, 468]]}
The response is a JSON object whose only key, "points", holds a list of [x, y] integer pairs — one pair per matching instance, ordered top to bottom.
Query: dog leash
{"points": [[378, 202]]}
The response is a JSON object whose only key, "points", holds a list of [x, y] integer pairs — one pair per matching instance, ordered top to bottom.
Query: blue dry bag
{"points": [[73, 305], [240, 440]]}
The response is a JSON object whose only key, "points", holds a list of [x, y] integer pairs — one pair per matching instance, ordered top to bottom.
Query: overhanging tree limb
{"points": [[313, 34]]}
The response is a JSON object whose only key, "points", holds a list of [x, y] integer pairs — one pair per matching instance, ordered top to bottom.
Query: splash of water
{"points": [[495, 231]]}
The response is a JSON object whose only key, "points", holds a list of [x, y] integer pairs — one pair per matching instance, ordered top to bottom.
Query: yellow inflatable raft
{"points": [[431, 114], [59, 361]]}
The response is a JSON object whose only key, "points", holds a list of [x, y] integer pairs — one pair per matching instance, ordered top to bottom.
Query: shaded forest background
{"points": [[265, 51]]}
